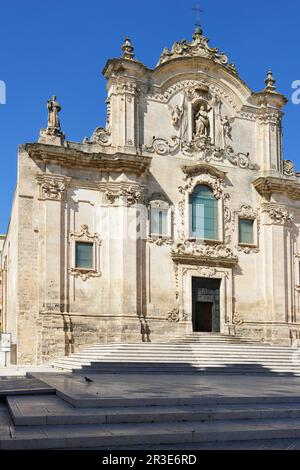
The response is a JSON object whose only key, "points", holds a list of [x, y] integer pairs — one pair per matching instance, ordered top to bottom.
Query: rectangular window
{"points": [[159, 222], [246, 231], [84, 258]]}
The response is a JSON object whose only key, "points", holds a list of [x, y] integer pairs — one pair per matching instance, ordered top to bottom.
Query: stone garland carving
{"points": [[197, 48], [288, 168], [84, 235], [160, 241], [187, 247]]}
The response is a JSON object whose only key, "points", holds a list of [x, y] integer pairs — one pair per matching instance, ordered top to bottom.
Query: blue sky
{"points": [[61, 47]]}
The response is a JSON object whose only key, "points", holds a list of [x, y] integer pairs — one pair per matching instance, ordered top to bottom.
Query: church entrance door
{"points": [[206, 305]]}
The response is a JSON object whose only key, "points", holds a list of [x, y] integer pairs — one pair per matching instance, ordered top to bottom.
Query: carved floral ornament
{"points": [[52, 187], [127, 193], [278, 214], [84, 235]]}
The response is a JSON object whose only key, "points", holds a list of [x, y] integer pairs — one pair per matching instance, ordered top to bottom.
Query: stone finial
{"points": [[198, 32], [128, 49], [270, 83]]}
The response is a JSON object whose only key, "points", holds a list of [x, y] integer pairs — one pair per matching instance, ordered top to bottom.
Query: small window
{"points": [[159, 221], [246, 231], [84, 255]]}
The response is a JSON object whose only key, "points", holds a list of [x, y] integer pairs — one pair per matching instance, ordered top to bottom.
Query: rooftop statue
{"points": [[53, 118]]}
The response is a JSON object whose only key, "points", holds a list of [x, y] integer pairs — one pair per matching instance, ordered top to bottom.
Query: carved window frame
{"points": [[216, 186], [157, 201], [245, 212], [84, 236]]}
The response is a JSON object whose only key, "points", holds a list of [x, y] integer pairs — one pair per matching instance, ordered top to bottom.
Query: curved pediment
{"points": [[203, 168]]}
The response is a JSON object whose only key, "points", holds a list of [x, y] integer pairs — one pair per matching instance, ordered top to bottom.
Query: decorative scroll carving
{"points": [[197, 48], [101, 136], [162, 146], [201, 149], [84, 234], [83, 273], [174, 316], [237, 319]]}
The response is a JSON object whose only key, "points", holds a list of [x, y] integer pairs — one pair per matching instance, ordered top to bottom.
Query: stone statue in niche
{"points": [[53, 109], [177, 114], [202, 124], [223, 127]]}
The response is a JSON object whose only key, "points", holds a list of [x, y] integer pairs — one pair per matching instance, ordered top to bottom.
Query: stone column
{"points": [[275, 233]]}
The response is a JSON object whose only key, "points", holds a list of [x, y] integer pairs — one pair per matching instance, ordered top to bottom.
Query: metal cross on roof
{"points": [[198, 10]]}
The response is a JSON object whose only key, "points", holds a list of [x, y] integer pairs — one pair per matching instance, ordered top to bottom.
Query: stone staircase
{"points": [[198, 352], [49, 422]]}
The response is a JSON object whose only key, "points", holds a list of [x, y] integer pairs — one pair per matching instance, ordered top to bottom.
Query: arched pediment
{"points": [[203, 169]]}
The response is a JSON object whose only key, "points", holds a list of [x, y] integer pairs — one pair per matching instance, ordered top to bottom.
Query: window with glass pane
{"points": [[204, 214], [159, 221], [246, 231], [84, 255]]}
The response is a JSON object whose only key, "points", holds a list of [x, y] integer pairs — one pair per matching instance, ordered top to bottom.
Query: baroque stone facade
{"points": [[104, 243]]}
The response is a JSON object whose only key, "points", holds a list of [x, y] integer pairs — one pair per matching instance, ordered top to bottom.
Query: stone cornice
{"points": [[73, 158], [266, 186]]}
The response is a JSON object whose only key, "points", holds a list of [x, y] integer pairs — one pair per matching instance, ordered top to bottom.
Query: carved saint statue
{"points": [[53, 110], [177, 114], [202, 124]]}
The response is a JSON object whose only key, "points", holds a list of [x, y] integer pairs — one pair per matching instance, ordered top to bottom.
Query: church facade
{"points": [[179, 215]]}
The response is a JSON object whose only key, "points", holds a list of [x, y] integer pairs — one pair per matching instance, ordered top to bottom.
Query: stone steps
{"points": [[196, 352], [50, 410], [115, 435]]}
